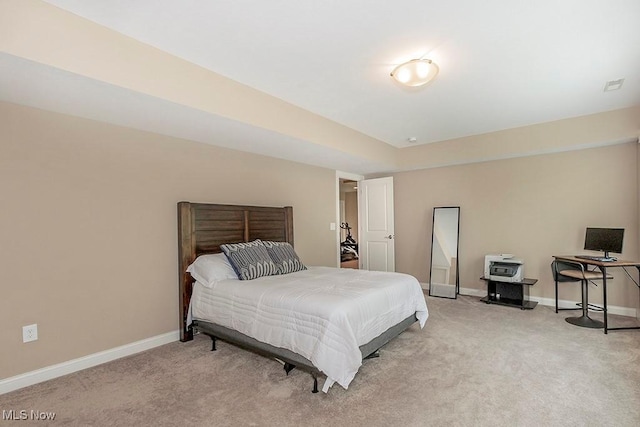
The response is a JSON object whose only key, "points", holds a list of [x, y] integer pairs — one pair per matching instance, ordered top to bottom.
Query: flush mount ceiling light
{"points": [[416, 72]]}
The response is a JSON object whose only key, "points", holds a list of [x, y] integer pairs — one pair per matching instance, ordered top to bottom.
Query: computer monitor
{"points": [[604, 239]]}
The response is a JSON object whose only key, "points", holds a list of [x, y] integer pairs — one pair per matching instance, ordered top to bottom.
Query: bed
{"points": [[327, 327]]}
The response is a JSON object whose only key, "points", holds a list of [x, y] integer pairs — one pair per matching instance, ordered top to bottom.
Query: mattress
{"points": [[322, 313]]}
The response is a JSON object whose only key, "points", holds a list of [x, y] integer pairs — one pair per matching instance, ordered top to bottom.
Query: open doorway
{"points": [[364, 209], [349, 254]]}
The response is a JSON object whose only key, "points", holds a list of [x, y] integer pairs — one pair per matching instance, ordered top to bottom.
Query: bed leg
{"points": [[213, 343], [373, 355], [288, 367], [315, 383]]}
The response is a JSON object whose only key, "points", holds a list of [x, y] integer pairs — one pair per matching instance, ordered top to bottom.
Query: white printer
{"points": [[503, 268]]}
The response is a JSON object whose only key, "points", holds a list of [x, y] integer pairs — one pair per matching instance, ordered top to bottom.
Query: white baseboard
{"points": [[463, 291], [473, 292], [550, 302], [611, 309], [65, 368]]}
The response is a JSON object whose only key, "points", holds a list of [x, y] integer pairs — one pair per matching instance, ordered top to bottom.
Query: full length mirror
{"points": [[445, 237]]}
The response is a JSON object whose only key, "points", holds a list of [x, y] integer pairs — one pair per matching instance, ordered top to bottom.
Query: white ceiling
{"points": [[503, 63]]}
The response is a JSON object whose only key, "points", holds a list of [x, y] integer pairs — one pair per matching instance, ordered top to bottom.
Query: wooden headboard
{"points": [[202, 228]]}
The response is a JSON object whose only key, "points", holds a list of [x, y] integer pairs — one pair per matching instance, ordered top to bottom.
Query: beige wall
{"points": [[608, 128], [533, 207], [89, 231]]}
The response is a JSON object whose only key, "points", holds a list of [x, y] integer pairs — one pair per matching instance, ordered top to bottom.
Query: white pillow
{"points": [[211, 268]]}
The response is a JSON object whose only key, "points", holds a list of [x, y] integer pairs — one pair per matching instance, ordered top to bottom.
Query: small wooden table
{"points": [[602, 265], [513, 294]]}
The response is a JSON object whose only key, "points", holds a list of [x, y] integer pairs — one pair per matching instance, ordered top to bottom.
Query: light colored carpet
{"points": [[473, 365]]}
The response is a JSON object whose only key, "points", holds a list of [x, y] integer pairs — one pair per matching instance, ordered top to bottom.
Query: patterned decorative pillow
{"points": [[284, 257], [249, 260]]}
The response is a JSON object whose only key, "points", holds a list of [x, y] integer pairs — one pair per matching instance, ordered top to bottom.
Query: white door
{"points": [[375, 210]]}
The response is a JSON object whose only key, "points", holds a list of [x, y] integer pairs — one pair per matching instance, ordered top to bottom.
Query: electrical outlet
{"points": [[30, 333]]}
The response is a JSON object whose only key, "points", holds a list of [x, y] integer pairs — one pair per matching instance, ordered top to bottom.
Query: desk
{"points": [[603, 268]]}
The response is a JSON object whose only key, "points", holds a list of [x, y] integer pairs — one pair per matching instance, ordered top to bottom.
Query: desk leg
{"points": [[604, 296]]}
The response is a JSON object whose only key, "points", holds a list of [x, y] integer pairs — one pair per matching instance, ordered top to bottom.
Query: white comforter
{"points": [[322, 313]]}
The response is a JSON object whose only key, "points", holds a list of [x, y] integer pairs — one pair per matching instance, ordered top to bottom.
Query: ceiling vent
{"points": [[613, 85]]}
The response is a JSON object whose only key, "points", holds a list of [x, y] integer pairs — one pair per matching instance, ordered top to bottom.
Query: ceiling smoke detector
{"points": [[613, 85]]}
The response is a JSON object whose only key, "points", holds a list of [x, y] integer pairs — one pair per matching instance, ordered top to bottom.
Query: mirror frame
{"points": [[433, 223]]}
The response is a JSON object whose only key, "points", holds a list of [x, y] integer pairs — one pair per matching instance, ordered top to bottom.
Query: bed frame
{"points": [[202, 228]]}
